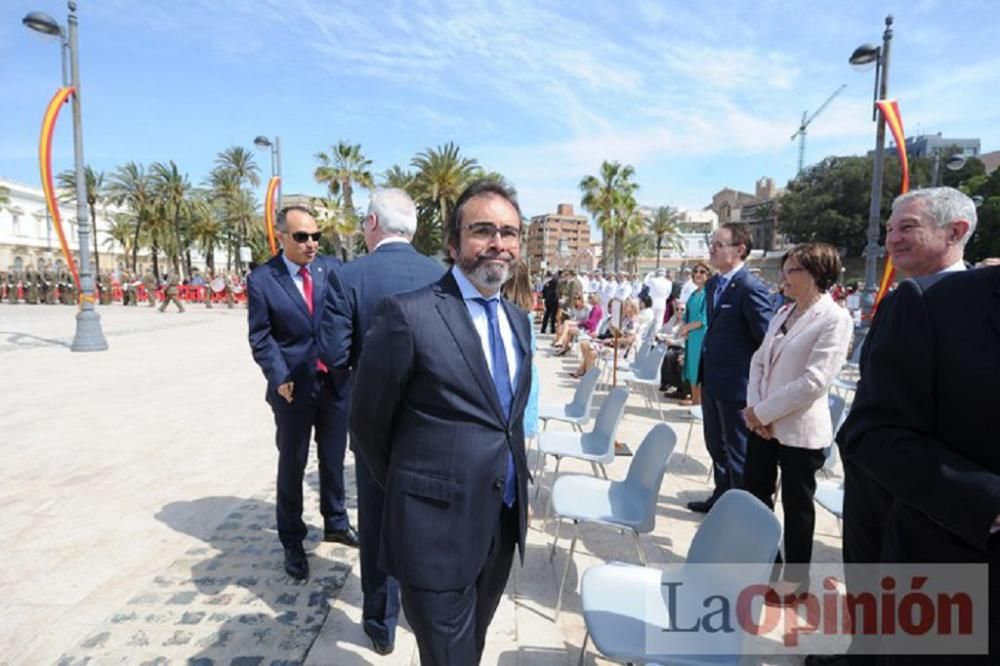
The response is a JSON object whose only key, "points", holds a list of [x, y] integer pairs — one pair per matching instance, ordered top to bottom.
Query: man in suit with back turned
{"points": [[356, 288], [285, 298], [739, 311], [438, 416]]}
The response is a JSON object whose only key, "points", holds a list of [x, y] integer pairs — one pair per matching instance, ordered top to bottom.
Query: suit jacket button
{"points": [[498, 484]]}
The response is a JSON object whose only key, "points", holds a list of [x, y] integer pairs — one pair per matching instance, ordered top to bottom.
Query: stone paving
{"points": [[136, 510]]}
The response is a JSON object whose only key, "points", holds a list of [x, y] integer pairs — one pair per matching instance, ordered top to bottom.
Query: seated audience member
{"points": [[572, 326], [625, 338], [787, 410]]}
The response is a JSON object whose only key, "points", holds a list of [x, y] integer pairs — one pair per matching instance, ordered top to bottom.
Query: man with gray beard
{"points": [[438, 416]]}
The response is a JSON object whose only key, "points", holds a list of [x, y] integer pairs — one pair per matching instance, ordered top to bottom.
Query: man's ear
{"points": [[959, 228]]}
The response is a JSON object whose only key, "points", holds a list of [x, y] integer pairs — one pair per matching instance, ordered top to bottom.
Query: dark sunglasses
{"points": [[303, 236], [702, 271]]}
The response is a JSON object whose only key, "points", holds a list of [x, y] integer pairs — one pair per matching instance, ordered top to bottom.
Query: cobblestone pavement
{"points": [[228, 601]]}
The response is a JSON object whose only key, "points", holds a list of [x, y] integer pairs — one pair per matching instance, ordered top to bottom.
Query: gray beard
{"points": [[487, 277]]}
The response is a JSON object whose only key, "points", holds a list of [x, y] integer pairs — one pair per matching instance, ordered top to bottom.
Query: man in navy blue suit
{"points": [[392, 266], [285, 298], [739, 310], [438, 416]]}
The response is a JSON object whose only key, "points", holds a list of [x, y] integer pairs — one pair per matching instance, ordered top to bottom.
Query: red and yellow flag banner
{"points": [[890, 111], [45, 165], [269, 201]]}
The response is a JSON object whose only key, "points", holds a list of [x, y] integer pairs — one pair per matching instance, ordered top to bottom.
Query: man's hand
{"points": [[285, 390]]}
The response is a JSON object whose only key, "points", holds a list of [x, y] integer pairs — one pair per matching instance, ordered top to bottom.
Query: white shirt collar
{"points": [[389, 240], [957, 266], [293, 268], [729, 276], [465, 286]]}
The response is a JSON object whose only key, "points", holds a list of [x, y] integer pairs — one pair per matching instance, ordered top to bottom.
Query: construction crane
{"points": [[801, 132]]}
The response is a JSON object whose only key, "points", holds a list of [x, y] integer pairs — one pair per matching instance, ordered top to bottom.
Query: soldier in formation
{"points": [[171, 292]]}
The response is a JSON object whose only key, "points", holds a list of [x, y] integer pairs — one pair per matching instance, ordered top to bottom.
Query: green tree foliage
{"points": [[94, 180], [610, 198], [664, 230]]}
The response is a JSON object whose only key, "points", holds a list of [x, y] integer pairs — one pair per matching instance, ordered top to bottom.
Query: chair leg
{"points": [[687, 442], [593, 467], [539, 468], [604, 472], [548, 507], [555, 538], [638, 547], [569, 558], [583, 648]]}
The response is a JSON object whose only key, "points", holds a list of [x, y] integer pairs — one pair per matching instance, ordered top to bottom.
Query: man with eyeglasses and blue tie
{"points": [[285, 300], [739, 310], [437, 415]]}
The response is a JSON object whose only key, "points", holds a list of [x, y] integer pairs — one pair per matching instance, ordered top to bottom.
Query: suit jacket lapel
{"points": [[282, 277], [730, 289], [455, 314], [522, 336]]}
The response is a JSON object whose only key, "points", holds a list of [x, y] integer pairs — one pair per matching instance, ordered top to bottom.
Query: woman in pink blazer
{"points": [[787, 410]]}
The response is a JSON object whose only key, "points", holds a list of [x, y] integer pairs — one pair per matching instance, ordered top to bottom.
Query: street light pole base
{"points": [[88, 337]]}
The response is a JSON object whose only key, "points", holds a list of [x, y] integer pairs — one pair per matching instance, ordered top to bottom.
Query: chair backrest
{"points": [[602, 328], [650, 367], [583, 399], [838, 411], [601, 440], [645, 474], [738, 529]]}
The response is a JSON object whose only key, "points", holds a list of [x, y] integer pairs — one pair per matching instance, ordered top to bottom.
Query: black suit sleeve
{"points": [[337, 325], [264, 347], [380, 384], [891, 435]]}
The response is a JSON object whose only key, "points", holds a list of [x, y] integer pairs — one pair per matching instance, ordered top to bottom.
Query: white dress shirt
{"points": [[293, 270], [482, 325]]}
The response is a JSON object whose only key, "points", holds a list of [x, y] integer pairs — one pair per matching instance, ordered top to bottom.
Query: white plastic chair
{"points": [[577, 412], [629, 504], [623, 604]]}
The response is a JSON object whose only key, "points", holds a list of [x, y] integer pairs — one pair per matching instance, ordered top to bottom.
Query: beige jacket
{"points": [[790, 375]]}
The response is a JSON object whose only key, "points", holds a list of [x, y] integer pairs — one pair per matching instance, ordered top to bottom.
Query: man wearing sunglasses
{"points": [[285, 298], [438, 416]]}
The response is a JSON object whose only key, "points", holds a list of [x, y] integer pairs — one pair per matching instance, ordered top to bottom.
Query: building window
{"points": [[17, 223]]}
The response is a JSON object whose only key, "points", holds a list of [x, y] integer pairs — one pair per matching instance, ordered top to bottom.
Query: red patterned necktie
{"points": [[307, 292]]}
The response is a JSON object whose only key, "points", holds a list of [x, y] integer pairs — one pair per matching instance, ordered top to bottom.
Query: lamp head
{"points": [[41, 22], [865, 55], [262, 142], [955, 162]]}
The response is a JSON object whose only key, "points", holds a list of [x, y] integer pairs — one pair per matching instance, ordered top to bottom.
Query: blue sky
{"points": [[695, 97]]}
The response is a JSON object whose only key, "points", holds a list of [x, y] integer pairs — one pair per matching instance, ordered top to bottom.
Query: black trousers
{"points": [[549, 318], [672, 371], [321, 411], [726, 441], [798, 484], [380, 610], [451, 625]]}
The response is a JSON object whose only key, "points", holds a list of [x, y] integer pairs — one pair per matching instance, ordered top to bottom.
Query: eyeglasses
{"points": [[484, 231], [303, 236], [717, 245], [699, 271], [788, 271]]}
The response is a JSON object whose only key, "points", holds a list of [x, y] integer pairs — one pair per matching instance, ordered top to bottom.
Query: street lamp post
{"points": [[865, 55], [275, 146], [953, 163], [88, 336]]}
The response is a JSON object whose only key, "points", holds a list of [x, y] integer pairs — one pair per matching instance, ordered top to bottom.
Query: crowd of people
{"points": [[130, 288], [429, 373]]}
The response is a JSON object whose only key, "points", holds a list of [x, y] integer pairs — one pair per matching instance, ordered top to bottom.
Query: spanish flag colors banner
{"points": [[890, 111], [45, 165], [269, 201]]}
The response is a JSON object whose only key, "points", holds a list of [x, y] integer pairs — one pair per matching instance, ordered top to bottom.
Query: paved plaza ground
{"points": [[137, 509]]}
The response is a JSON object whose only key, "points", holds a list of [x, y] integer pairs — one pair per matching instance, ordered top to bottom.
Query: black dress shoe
{"points": [[700, 506], [347, 536], [296, 564], [381, 647], [826, 660]]}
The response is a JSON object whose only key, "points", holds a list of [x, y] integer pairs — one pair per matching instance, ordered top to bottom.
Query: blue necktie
{"points": [[719, 288], [501, 380]]}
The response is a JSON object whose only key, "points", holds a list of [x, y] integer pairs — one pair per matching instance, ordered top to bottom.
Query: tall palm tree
{"points": [[242, 168], [340, 169], [442, 174], [395, 176], [94, 182], [130, 186], [171, 189], [4, 196], [609, 197], [336, 224], [664, 229], [120, 233], [636, 245]]}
